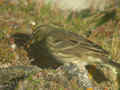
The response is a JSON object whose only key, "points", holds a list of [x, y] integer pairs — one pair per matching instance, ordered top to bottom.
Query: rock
{"points": [[79, 5], [10, 76], [68, 76]]}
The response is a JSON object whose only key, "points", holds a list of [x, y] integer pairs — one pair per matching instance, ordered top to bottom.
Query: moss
{"points": [[17, 17]]}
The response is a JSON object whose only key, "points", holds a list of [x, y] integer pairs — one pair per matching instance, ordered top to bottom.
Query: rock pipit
{"points": [[65, 46]]}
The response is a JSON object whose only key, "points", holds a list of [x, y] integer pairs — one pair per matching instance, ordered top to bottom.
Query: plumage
{"points": [[66, 46]]}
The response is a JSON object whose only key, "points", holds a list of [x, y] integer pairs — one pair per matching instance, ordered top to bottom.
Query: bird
{"points": [[65, 46]]}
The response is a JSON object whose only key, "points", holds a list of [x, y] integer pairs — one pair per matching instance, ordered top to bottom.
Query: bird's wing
{"points": [[71, 42], [64, 45]]}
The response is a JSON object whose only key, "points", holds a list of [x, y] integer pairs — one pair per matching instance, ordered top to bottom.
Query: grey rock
{"points": [[79, 5]]}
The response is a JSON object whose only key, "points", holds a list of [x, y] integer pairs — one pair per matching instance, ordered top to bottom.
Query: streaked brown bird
{"points": [[65, 46]]}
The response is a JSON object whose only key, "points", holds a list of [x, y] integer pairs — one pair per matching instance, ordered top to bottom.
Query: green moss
{"points": [[105, 35]]}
